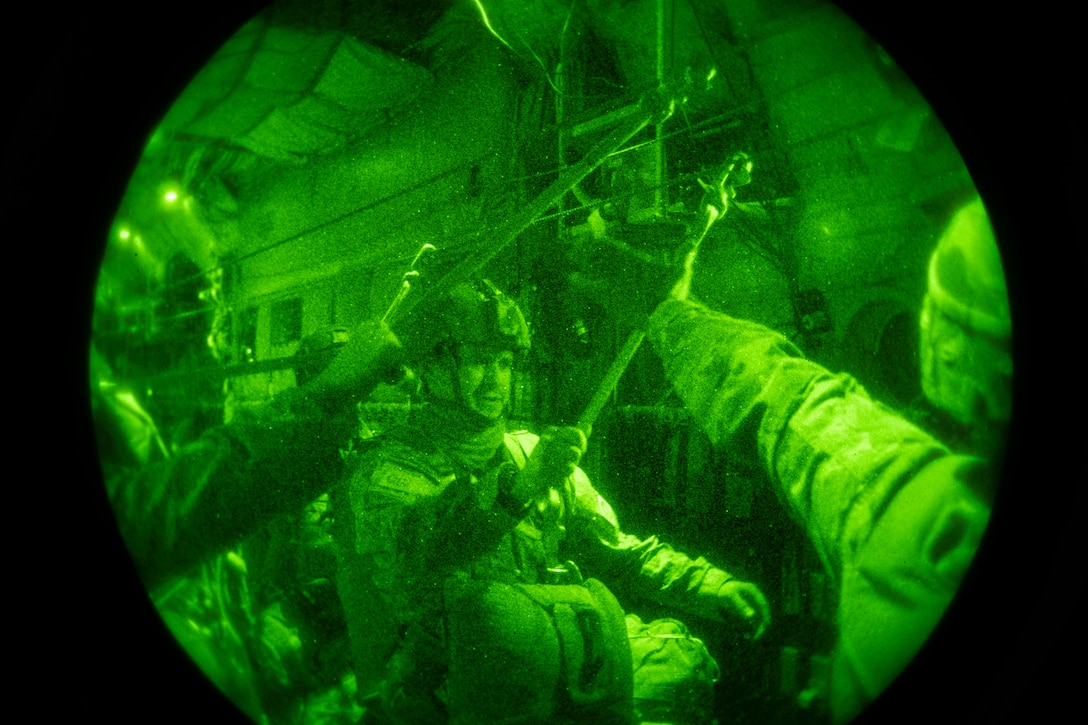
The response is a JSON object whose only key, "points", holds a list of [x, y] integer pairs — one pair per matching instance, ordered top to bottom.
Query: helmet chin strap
{"points": [[451, 364], [451, 393], [459, 396], [461, 400]]}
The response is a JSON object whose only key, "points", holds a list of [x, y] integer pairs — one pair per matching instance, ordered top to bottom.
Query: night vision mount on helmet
{"points": [[478, 313]]}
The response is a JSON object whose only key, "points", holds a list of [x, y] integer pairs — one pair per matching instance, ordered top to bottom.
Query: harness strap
{"points": [[550, 509]]}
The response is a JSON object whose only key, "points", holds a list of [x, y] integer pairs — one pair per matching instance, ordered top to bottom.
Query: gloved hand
{"points": [[372, 355], [554, 459], [743, 603]]}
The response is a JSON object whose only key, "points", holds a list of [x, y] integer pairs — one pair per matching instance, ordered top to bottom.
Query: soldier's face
{"points": [[484, 374]]}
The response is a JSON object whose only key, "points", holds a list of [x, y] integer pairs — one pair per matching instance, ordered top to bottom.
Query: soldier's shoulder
{"points": [[410, 448], [405, 465], [392, 478]]}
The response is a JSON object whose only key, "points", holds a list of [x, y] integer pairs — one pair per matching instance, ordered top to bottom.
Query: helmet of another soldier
{"points": [[965, 323]]}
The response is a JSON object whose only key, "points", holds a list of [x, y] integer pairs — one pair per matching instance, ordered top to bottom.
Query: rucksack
{"points": [[537, 653], [674, 674]]}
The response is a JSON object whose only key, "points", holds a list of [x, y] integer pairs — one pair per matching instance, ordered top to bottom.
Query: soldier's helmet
{"points": [[966, 279], [478, 313], [965, 322]]}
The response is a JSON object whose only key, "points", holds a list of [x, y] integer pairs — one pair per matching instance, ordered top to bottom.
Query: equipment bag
{"points": [[537, 653], [674, 674]]}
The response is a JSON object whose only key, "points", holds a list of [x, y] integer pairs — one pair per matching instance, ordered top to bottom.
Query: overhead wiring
{"points": [[491, 29], [707, 126]]}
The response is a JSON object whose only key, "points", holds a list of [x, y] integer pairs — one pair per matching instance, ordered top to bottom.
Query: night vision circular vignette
{"points": [[337, 163]]}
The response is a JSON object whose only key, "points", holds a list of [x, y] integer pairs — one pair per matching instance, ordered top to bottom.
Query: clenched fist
{"points": [[373, 354], [554, 459], [742, 602]]}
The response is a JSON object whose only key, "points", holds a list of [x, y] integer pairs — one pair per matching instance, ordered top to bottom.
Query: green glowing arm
{"points": [[834, 456], [891, 511], [176, 513], [654, 570]]}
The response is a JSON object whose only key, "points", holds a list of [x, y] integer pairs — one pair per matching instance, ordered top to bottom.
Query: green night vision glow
{"points": [[326, 438]]}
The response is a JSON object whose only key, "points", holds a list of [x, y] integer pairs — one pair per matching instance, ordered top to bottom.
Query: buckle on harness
{"points": [[567, 573]]}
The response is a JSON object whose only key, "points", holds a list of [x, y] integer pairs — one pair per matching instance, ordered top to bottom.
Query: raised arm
{"points": [[835, 456], [892, 512], [654, 570]]}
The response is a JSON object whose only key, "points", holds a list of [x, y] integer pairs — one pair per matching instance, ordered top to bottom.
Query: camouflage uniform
{"points": [[178, 512], [895, 516], [420, 521], [194, 522]]}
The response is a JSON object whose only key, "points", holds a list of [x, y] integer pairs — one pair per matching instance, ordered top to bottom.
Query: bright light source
{"points": [[170, 197], [124, 234]]}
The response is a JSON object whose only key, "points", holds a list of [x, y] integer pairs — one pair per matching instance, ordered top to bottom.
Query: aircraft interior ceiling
{"points": [[312, 152]]}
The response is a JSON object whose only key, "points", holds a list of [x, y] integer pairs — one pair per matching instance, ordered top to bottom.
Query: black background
{"points": [[91, 82]]}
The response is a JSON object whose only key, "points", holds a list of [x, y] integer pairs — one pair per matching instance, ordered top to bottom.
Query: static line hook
{"points": [[426, 248], [406, 284]]}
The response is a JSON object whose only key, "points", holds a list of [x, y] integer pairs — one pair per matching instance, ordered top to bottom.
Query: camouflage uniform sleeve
{"points": [[836, 457], [891, 511], [178, 512], [649, 568]]}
